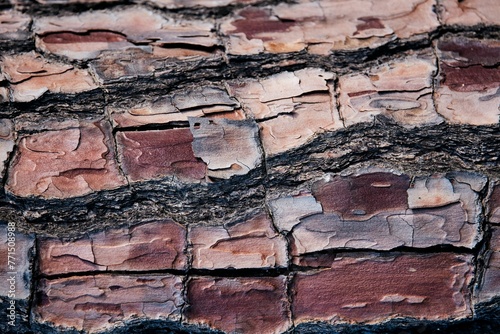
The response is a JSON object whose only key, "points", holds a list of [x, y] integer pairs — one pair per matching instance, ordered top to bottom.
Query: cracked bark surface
{"points": [[65, 163], [251, 166], [249, 244], [148, 246], [315, 293], [93, 303]]}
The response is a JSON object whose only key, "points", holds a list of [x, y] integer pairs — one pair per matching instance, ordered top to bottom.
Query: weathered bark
{"points": [[255, 166]]}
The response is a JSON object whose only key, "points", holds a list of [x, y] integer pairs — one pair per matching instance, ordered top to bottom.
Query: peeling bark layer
{"points": [[250, 166]]}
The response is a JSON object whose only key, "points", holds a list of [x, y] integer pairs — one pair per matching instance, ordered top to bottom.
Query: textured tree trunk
{"points": [[249, 166]]}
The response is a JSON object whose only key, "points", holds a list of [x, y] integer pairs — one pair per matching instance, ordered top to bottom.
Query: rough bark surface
{"points": [[249, 166]]}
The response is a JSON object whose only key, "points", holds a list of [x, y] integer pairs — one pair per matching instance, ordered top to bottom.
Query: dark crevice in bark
{"points": [[36, 9], [198, 12], [9, 46], [191, 47], [183, 74], [336, 95], [58, 106], [153, 126], [384, 143], [416, 151], [117, 155], [6, 169], [444, 248], [481, 252], [480, 262], [35, 270], [271, 271], [115, 272], [185, 278], [289, 296], [485, 324], [140, 325]]}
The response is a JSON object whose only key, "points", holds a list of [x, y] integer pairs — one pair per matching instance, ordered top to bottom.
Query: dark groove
{"points": [[187, 46], [153, 126], [440, 148], [185, 202], [35, 269], [266, 272]]}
